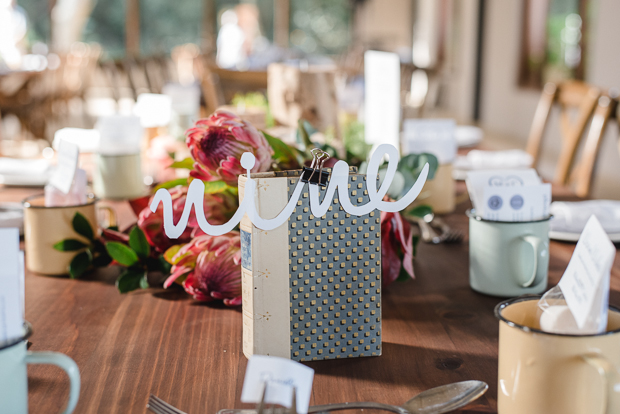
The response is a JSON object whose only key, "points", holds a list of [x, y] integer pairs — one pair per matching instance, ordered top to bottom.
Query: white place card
{"points": [[382, 100], [434, 136], [62, 178], [477, 181], [516, 203], [585, 283], [11, 319], [280, 376]]}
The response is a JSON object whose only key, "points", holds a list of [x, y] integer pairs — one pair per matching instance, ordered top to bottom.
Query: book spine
{"points": [[265, 274]]}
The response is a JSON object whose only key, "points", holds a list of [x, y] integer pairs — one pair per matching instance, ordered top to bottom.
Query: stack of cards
{"points": [[509, 195], [12, 282]]}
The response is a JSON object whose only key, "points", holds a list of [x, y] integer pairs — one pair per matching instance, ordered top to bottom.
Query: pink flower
{"points": [[217, 143], [218, 208], [396, 243], [210, 268]]}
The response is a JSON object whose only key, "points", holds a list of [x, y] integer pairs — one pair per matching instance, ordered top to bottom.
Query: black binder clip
{"points": [[315, 174]]}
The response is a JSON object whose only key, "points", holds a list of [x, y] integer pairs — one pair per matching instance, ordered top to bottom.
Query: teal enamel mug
{"points": [[508, 259], [14, 357]]}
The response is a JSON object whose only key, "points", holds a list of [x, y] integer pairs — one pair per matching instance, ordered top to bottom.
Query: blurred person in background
{"points": [[13, 25], [231, 53]]}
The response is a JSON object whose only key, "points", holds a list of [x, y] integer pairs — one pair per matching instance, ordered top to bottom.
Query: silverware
{"points": [[426, 231], [448, 235], [437, 400], [159, 406]]}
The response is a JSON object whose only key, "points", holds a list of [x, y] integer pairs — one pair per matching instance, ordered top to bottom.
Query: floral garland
{"points": [[209, 267]]}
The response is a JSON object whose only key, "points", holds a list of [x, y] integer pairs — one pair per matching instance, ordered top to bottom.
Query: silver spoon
{"points": [[437, 400]]}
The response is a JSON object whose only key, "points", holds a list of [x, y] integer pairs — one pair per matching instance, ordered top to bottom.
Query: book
{"points": [[311, 288]]}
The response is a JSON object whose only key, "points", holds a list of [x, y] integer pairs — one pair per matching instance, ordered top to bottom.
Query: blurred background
{"points": [[67, 63]]}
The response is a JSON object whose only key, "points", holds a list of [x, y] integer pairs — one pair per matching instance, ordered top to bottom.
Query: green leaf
{"points": [[286, 156], [187, 163], [410, 166], [171, 184], [215, 187], [420, 211], [82, 226], [138, 242], [69, 245], [121, 253], [169, 254], [79, 264], [130, 279], [144, 283]]}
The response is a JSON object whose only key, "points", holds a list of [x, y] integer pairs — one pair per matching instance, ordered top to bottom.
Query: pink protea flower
{"points": [[217, 143], [218, 208], [396, 240], [209, 268]]}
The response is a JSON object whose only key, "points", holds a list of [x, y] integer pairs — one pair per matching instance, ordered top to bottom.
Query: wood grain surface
{"points": [[436, 330]]}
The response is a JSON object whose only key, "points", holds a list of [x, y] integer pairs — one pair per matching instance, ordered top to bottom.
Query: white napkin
{"points": [[490, 160], [15, 166], [571, 217]]}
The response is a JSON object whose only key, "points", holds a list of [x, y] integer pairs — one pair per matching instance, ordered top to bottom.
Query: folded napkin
{"points": [[490, 160], [15, 166], [572, 217]]}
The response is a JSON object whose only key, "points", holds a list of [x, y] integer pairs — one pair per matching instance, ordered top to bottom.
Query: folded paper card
{"points": [[68, 154], [509, 195], [11, 300], [578, 304], [276, 378]]}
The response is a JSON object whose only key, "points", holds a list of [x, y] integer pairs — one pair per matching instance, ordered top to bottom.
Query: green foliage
{"points": [[287, 157], [187, 163], [171, 184], [82, 226], [138, 242], [70, 245], [89, 254], [124, 255], [138, 259]]}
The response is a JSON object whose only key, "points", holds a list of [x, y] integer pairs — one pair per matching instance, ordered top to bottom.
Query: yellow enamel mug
{"points": [[46, 226], [547, 373]]}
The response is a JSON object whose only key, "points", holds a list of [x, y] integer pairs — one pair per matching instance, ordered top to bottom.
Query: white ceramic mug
{"points": [[119, 177], [14, 379]]}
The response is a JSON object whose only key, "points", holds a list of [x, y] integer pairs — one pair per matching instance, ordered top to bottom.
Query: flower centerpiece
{"points": [[209, 267]]}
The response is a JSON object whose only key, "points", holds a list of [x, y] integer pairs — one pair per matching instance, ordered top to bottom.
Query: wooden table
{"points": [[436, 330]]}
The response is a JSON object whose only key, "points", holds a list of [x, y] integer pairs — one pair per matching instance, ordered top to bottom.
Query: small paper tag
{"points": [[64, 173], [477, 181], [517, 203], [590, 264], [11, 319], [280, 376]]}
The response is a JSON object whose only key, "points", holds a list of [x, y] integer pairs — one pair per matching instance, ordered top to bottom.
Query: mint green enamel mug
{"points": [[508, 259], [13, 374]]}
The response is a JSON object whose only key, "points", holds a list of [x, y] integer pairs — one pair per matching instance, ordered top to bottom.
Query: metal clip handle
{"points": [[315, 174]]}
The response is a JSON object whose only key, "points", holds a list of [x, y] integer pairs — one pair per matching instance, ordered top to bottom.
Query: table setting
{"points": [[225, 270]]}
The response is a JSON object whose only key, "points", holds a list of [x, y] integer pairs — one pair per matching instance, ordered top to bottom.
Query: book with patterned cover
{"points": [[311, 287]]}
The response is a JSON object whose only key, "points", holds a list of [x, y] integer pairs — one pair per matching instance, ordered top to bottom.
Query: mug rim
{"points": [[92, 199], [471, 213], [504, 304], [26, 335]]}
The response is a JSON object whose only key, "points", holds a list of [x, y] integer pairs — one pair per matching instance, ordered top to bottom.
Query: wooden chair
{"points": [[570, 96], [582, 174]]}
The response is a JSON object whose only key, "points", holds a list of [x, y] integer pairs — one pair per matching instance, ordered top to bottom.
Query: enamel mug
{"points": [[508, 259], [549, 373], [13, 374]]}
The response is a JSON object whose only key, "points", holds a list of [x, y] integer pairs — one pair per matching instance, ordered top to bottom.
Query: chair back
{"points": [[570, 96]]}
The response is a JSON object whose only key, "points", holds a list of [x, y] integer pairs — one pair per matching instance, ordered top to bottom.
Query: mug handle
{"points": [[111, 215], [538, 248], [68, 365], [607, 371]]}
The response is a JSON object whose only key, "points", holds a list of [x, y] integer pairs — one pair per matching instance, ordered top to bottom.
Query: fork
{"points": [[448, 234], [159, 406]]}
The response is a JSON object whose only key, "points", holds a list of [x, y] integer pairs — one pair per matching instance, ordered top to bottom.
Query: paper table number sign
{"points": [[311, 287]]}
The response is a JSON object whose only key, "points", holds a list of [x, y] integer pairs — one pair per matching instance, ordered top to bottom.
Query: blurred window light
{"points": [[320, 26]]}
